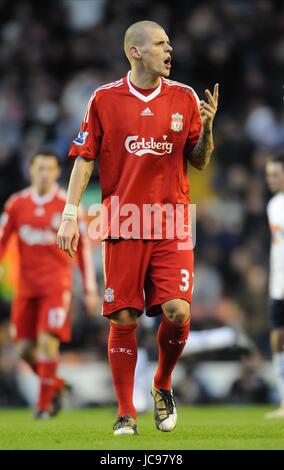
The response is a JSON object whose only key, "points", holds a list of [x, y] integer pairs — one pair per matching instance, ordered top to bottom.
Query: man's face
{"points": [[156, 52], [44, 172], [275, 176]]}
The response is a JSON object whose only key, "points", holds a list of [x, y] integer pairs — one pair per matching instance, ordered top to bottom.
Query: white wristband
{"points": [[70, 212]]}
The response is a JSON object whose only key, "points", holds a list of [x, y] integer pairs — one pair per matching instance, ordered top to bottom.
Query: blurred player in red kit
{"points": [[143, 130], [41, 309]]}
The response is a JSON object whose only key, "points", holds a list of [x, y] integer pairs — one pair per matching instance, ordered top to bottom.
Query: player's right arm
{"points": [[84, 150], [68, 234]]}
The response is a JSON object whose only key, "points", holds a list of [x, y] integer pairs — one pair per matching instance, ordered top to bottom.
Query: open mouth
{"points": [[167, 62]]}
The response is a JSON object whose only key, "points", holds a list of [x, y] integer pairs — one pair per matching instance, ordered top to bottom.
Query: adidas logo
{"points": [[147, 112]]}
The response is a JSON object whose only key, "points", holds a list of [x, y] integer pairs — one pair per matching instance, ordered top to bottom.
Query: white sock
{"points": [[209, 340], [278, 363]]}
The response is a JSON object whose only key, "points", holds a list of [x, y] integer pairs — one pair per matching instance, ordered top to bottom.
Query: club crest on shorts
{"points": [[176, 123], [109, 295]]}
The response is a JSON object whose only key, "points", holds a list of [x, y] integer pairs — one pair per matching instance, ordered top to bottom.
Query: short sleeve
{"points": [[195, 124], [87, 142]]}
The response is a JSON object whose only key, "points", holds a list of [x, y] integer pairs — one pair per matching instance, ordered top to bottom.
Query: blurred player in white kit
{"points": [[275, 213]]}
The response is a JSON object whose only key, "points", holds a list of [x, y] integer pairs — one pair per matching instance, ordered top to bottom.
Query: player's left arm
{"points": [[201, 153], [87, 268]]}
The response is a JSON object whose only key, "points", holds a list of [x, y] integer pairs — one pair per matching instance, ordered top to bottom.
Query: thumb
{"points": [[75, 241]]}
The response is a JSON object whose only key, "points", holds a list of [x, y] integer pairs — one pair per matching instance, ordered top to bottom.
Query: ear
{"points": [[134, 52]]}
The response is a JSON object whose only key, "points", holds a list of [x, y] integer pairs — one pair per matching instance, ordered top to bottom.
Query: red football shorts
{"points": [[141, 273], [31, 316]]}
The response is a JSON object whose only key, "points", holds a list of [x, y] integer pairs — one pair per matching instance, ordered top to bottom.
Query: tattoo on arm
{"points": [[200, 155]]}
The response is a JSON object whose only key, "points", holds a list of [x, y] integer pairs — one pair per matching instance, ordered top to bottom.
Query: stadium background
{"points": [[52, 55]]}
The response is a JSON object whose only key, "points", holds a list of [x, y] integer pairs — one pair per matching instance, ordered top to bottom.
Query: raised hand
{"points": [[208, 110]]}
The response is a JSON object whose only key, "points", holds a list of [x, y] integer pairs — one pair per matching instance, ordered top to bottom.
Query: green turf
{"points": [[213, 427]]}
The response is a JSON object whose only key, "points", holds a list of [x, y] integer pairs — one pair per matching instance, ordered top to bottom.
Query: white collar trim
{"points": [[140, 95], [41, 200]]}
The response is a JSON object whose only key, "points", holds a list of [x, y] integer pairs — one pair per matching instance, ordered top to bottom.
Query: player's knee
{"points": [[177, 311], [125, 316], [180, 317], [277, 339], [48, 346], [26, 351]]}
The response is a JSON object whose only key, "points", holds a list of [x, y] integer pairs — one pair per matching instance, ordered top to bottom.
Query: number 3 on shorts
{"points": [[185, 280]]}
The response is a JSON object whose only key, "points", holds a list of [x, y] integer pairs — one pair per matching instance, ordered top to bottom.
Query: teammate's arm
{"points": [[200, 155], [7, 226], [68, 234], [87, 268]]}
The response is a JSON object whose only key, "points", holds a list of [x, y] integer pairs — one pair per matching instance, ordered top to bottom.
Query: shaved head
{"points": [[137, 34], [148, 49]]}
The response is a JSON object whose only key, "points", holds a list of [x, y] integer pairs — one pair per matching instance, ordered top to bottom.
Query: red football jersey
{"points": [[142, 141], [44, 269]]}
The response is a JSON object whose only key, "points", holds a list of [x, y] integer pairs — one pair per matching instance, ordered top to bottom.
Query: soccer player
{"points": [[142, 129], [275, 213], [40, 311]]}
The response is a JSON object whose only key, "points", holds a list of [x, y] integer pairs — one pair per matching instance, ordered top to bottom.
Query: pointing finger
{"points": [[216, 93], [210, 97], [213, 100]]}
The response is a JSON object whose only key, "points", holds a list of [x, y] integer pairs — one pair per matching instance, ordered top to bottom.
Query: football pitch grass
{"points": [[208, 427]]}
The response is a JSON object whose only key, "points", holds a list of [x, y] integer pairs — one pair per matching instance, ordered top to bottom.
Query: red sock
{"points": [[171, 341], [122, 353], [49, 383], [58, 384]]}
